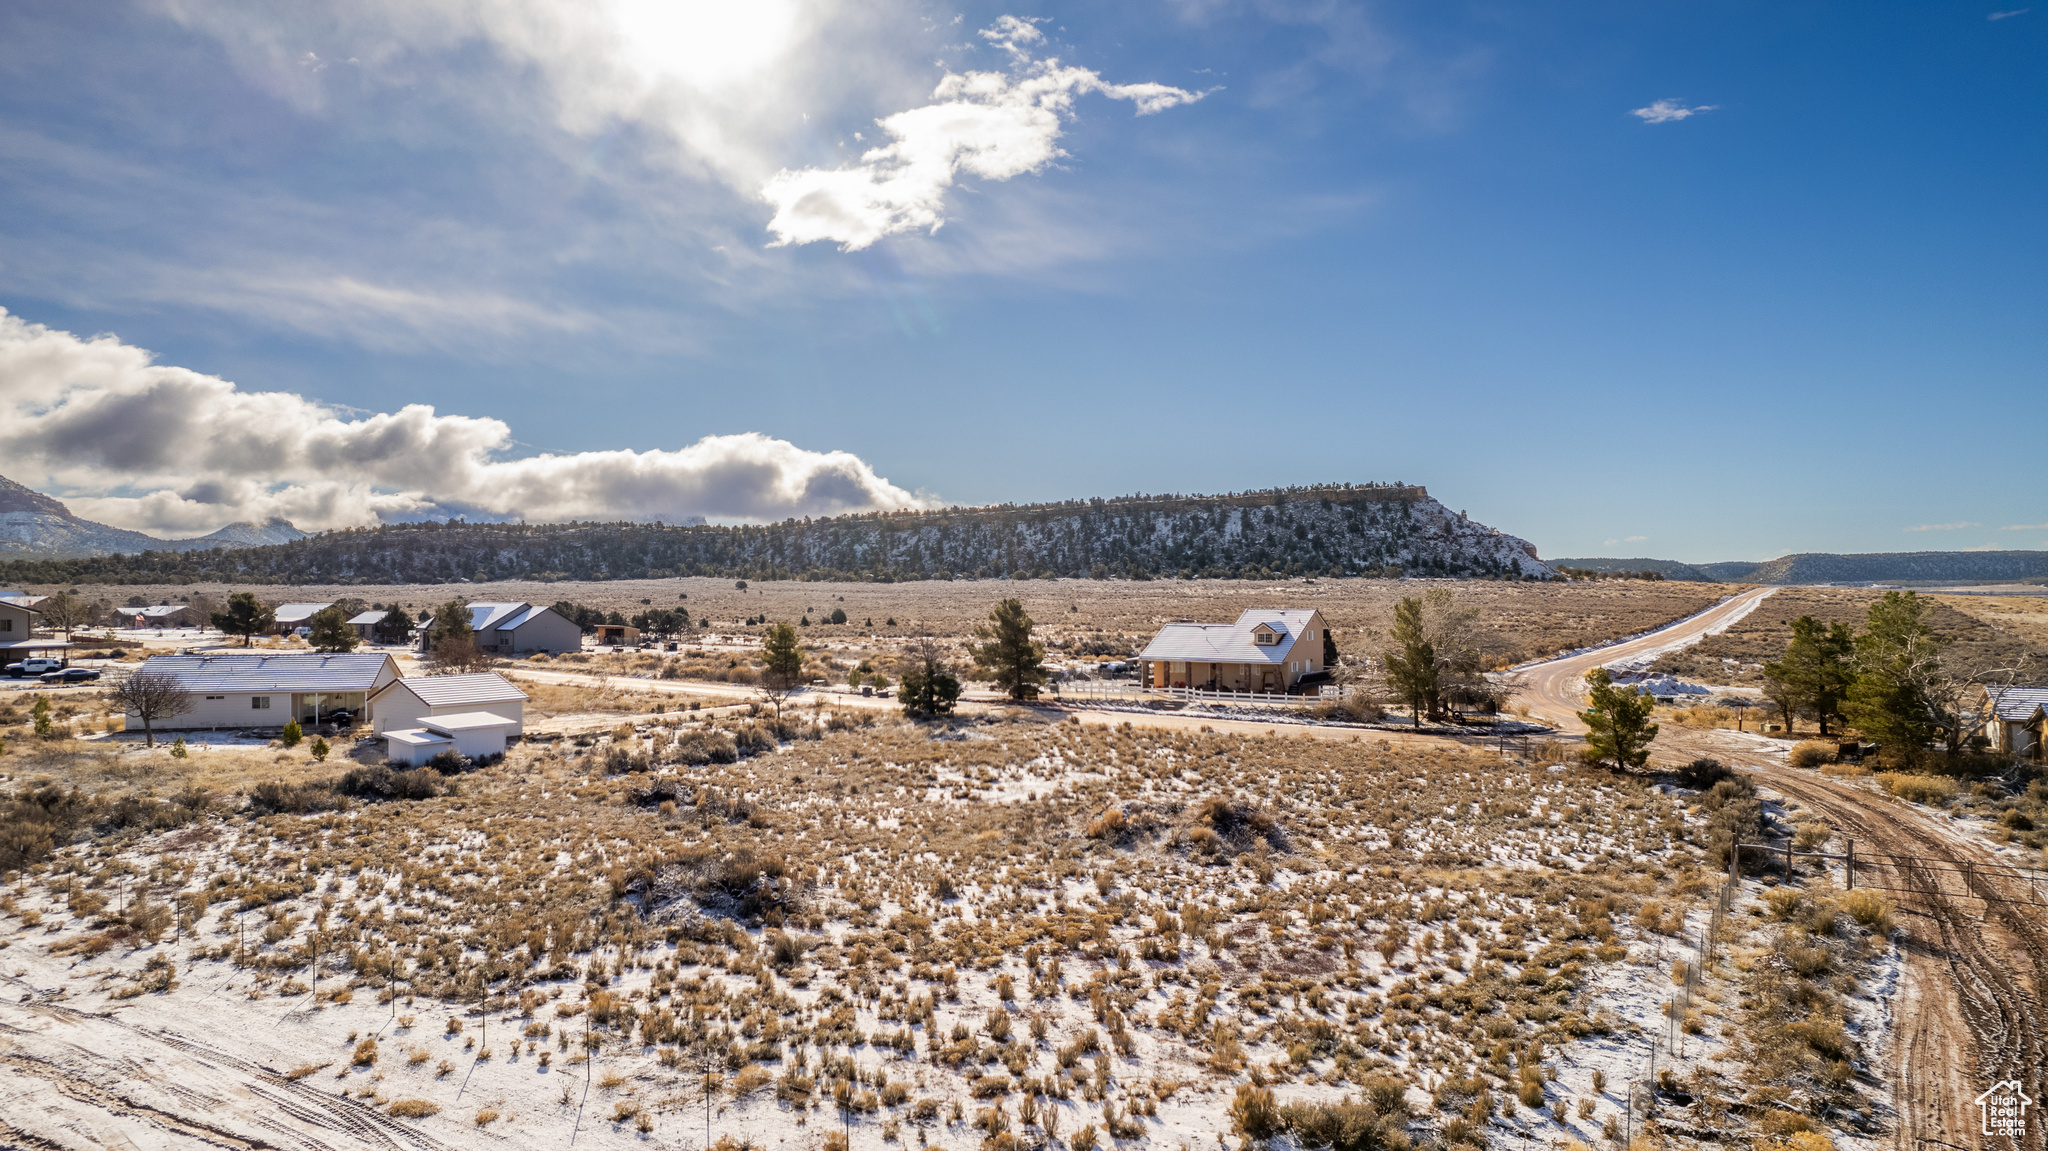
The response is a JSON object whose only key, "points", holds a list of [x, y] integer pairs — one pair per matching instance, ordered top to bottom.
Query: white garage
{"points": [[474, 734]]}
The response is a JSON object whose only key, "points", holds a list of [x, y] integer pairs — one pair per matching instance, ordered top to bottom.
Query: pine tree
{"points": [[245, 616], [329, 631], [1006, 653], [1412, 668], [1816, 670], [1898, 671], [929, 688], [1617, 720]]}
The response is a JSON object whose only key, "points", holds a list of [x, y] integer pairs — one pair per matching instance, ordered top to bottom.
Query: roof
{"points": [[24, 602], [157, 612], [299, 612], [486, 616], [371, 618], [523, 618], [1230, 642], [226, 674], [460, 690], [2019, 704], [467, 721], [420, 737]]}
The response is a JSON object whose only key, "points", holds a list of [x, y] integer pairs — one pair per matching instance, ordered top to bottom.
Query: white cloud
{"points": [[2007, 15], [1665, 111], [984, 124], [96, 417], [1959, 525], [2024, 527]]}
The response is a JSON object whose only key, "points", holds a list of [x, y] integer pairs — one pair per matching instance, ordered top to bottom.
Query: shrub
{"points": [[292, 733], [319, 750], [1812, 753], [450, 763], [1703, 773], [379, 782], [1931, 790], [293, 799], [1868, 909], [415, 1108], [1253, 1114]]}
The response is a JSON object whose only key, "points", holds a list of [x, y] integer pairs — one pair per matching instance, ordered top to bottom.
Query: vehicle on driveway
{"points": [[36, 666], [72, 675]]}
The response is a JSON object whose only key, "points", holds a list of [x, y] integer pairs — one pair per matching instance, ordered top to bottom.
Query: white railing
{"points": [[1135, 693]]}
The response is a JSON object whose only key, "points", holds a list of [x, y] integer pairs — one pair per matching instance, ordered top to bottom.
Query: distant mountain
{"points": [[33, 525], [1372, 529], [1825, 567], [1669, 569]]}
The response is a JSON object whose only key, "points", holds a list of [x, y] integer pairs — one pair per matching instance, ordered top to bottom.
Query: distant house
{"points": [[162, 615], [293, 616], [366, 625], [515, 629], [615, 633], [1264, 651], [235, 690], [408, 703], [2016, 718]]}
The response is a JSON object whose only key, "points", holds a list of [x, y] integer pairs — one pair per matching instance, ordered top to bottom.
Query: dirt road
{"points": [[1969, 1013]]}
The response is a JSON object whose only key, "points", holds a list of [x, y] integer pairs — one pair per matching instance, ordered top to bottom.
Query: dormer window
{"points": [[1265, 636]]}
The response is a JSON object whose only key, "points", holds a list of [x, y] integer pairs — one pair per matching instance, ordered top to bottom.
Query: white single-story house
{"points": [[293, 616], [516, 629], [1264, 651], [232, 690], [407, 703], [2015, 719], [472, 733]]}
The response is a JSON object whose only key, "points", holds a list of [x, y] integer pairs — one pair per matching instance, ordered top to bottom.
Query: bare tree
{"points": [[63, 611], [457, 654], [153, 697]]}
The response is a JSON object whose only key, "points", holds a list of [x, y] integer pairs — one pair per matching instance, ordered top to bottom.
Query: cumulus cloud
{"points": [[1666, 111], [988, 124], [169, 450]]}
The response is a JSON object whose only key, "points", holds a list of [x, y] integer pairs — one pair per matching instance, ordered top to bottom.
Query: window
{"points": [[6, 625], [216, 697], [259, 702]]}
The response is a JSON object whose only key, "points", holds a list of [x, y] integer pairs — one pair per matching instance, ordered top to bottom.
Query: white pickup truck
{"points": [[36, 666]]}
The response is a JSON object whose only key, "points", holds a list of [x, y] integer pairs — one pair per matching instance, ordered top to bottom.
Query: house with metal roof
{"points": [[161, 615], [293, 616], [516, 629], [1265, 650], [257, 689], [410, 703], [2015, 719]]}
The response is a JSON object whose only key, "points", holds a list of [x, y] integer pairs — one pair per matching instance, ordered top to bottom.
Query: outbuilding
{"points": [[515, 629], [408, 703], [2016, 716], [475, 734]]}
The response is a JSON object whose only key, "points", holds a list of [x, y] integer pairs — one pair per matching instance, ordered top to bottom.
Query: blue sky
{"points": [[1428, 242]]}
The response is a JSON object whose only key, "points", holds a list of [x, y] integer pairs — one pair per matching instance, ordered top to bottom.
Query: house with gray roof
{"points": [[517, 629], [1265, 650], [233, 690], [410, 703], [2015, 717]]}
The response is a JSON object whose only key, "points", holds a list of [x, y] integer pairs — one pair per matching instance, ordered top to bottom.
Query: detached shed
{"points": [[407, 703], [475, 734]]}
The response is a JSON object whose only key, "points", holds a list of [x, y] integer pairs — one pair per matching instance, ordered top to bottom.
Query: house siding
{"points": [[399, 709]]}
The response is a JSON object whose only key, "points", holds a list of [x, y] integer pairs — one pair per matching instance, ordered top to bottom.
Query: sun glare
{"points": [[703, 43]]}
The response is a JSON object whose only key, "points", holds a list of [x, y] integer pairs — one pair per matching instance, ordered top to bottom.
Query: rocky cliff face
{"points": [[36, 526]]}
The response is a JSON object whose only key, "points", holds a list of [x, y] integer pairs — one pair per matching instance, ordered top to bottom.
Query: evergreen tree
{"points": [[245, 616], [396, 626], [329, 631], [1329, 650], [1007, 653], [785, 663], [1412, 665], [1815, 673], [1898, 675], [929, 688], [1617, 720]]}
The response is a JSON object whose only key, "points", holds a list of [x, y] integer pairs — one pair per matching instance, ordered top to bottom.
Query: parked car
{"points": [[36, 666], [72, 675]]}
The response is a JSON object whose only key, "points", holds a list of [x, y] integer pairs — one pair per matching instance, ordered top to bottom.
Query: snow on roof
{"points": [[24, 602], [158, 612], [299, 612], [486, 616], [371, 618], [1230, 642], [233, 674], [460, 690], [2018, 704], [468, 721]]}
